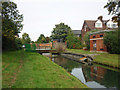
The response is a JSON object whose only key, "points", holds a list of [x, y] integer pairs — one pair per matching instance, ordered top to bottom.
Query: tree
{"points": [[113, 7], [11, 24], [60, 32], [25, 38], [41, 39], [47, 39], [111, 40], [73, 41], [18, 43]]}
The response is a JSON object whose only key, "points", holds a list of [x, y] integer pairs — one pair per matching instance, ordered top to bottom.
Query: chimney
{"points": [[100, 18]]}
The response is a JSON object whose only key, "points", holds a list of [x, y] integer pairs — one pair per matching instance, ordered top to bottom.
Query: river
{"points": [[93, 76]]}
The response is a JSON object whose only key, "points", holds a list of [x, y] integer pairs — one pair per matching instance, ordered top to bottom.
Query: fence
{"points": [[34, 47]]}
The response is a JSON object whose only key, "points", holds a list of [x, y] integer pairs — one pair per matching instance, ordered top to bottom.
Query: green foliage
{"points": [[111, 6], [11, 24], [60, 32], [25, 38], [87, 38], [43, 39], [111, 40], [73, 41], [18, 43], [28, 47]]}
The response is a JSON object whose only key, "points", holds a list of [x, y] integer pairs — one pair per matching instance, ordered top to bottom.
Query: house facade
{"points": [[98, 24], [77, 32], [96, 38], [96, 41]]}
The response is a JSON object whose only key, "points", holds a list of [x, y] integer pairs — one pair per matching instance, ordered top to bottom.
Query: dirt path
{"points": [[17, 71]]}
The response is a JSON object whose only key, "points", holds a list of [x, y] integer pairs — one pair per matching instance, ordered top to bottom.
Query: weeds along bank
{"points": [[103, 58], [32, 70]]}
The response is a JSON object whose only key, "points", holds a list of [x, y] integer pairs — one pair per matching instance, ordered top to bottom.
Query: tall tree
{"points": [[113, 7], [11, 24], [60, 32], [25, 38], [41, 39], [47, 39], [112, 41]]}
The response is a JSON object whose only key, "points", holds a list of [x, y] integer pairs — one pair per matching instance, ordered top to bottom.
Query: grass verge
{"points": [[103, 58], [31, 70]]}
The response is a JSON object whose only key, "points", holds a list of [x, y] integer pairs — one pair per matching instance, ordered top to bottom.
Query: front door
{"points": [[94, 45]]}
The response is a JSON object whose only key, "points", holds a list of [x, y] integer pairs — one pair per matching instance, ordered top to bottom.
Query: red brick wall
{"points": [[83, 32], [99, 43]]}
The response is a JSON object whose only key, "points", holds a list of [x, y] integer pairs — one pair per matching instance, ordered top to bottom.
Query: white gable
{"points": [[98, 24], [111, 24]]}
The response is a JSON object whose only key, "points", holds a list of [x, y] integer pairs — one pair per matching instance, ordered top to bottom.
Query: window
{"points": [[98, 24], [114, 25], [85, 27], [101, 35], [94, 36], [101, 49]]}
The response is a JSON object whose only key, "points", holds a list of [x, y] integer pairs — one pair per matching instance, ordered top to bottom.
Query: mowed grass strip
{"points": [[104, 58], [36, 71]]}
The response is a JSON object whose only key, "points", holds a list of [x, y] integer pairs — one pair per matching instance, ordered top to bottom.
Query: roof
{"points": [[91, 23], [76, 31], [101, 31]]}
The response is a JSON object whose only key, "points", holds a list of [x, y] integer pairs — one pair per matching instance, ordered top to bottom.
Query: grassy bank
{"points": [[103, 58], [32, 70]]}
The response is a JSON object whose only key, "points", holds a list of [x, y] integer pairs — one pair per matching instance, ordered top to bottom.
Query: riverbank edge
{"points": [[97, 62], [57, 67]]}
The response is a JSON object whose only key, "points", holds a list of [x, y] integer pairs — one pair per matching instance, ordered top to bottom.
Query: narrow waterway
{"points": [[93, 76]]}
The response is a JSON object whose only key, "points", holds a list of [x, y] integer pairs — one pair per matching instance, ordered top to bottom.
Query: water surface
{"points": [[92, 76]]}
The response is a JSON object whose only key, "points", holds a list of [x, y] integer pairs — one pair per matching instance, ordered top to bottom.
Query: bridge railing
{"points": [[37, 46]]}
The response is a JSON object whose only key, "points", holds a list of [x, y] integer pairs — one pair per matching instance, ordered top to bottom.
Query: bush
{"points": [[87, 38], [111, 40], [73, 42], [18, 43], [60, 47]]}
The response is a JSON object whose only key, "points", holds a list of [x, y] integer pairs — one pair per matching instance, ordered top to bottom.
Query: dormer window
{"points": [[98, 24], [111, 24], [114, 25], [85, 27]]}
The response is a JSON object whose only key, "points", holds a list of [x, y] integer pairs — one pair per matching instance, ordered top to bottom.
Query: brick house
{"points": [[98, 24], [96, 38], [96, 41]]}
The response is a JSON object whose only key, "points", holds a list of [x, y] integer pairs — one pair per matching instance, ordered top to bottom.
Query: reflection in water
{"points": [[92, 76]]}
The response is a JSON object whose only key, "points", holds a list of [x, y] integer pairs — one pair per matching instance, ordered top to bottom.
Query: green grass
{"points": [[80, 51], [104, 58], [32, 70]]}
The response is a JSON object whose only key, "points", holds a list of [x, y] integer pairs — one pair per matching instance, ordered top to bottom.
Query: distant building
{"points": [[98, 24], [77, 32]]}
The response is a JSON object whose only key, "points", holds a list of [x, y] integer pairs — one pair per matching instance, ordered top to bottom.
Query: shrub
{"points": [[111, 40], [73, 41], [60, 47]]}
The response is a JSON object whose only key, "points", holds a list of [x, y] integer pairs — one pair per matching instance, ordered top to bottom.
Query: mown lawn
{"points": [[104, 58], [31, 70]]}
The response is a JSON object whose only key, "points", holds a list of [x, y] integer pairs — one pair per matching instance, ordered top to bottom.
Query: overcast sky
{"points": [[40, 16]]}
